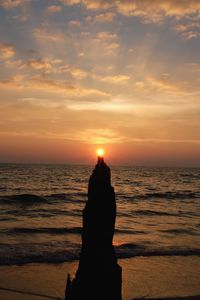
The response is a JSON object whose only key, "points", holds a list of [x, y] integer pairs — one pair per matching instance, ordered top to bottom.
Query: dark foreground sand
{"points": [[155, 278], [174, 298]]}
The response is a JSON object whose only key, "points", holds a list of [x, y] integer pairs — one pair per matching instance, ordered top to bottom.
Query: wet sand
{"points": [[155, 278], [171, 298]]}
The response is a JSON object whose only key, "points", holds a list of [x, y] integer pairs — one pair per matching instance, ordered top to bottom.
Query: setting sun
{"points": [[100, 152]]}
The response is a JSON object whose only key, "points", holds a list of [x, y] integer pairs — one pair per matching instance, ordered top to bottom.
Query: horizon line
{"points": [[90, 164]]}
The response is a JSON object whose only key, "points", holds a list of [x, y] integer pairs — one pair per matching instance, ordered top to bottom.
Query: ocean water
{"points": [[158, 212]]}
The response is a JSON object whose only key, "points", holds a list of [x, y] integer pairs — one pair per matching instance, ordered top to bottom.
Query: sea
{"points": [[158, 212]]}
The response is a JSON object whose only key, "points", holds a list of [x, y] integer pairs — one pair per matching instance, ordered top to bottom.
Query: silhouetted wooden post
{"points": [[98, 275]]}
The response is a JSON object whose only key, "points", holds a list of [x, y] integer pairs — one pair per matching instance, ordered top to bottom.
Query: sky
{"points": [[81, 74]]}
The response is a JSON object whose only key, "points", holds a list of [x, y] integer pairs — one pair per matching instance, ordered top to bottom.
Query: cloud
{"points": [[70, 2], [9, 4], [90, 4], [54, 8], [153, 10], [105, 17], [101, 18], [75, 23], [188, 31], [43, 35], [105, 35], [188, 35], [107, 40], [112, 46], [6, 51], [13, 64], [38, 64], [47, 65], [54, 66], [75, 72], [78, 73], [117, 79], [13, 82], [44, 82], [49, 85], [159, 85], [163, 85], [59, 86], [106, 106], [99, 136], [157, 140]]}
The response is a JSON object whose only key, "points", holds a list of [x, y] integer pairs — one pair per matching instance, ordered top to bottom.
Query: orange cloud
{"points": [[9, 4], [96, 4], [54, 8], [153, 10], [101, 18], [75, 23], [189, 30], [43, 35], [104, 35], [108, 41], [112, 46], [6, 51], [38, 64], [75, 72], [78, 73], [117, 79], [13, 82], [163, 85], [51, 86], [64, 87], [99, 136]]}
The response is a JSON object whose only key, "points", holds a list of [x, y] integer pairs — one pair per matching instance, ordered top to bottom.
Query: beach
{"points": [[100, 150], [156, 236], [143, 277]]}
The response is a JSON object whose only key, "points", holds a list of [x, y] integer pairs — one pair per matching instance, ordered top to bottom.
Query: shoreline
{"points": [[144, 278], [33, 296], [197, 297]]}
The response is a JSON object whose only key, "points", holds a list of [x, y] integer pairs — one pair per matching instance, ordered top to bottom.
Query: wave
{"points": [[190, 175], [3, 188], [163, 195], [69, 197], [80, 197], [23, 199], [30, 199], [149, 212], [45, 213], [154, 213], [5, 219], [45, 230], [59, 230], [128, 231], [189, 231], [131, 250], [20, 254]]}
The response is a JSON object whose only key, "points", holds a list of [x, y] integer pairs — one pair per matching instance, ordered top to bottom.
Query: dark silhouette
{"points": [[98, 275]]}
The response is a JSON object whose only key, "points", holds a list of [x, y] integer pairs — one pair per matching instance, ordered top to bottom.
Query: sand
{"points": [[143, 278]]}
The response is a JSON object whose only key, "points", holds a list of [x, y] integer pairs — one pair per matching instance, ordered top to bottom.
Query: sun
{"points": [[100, 152]]}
